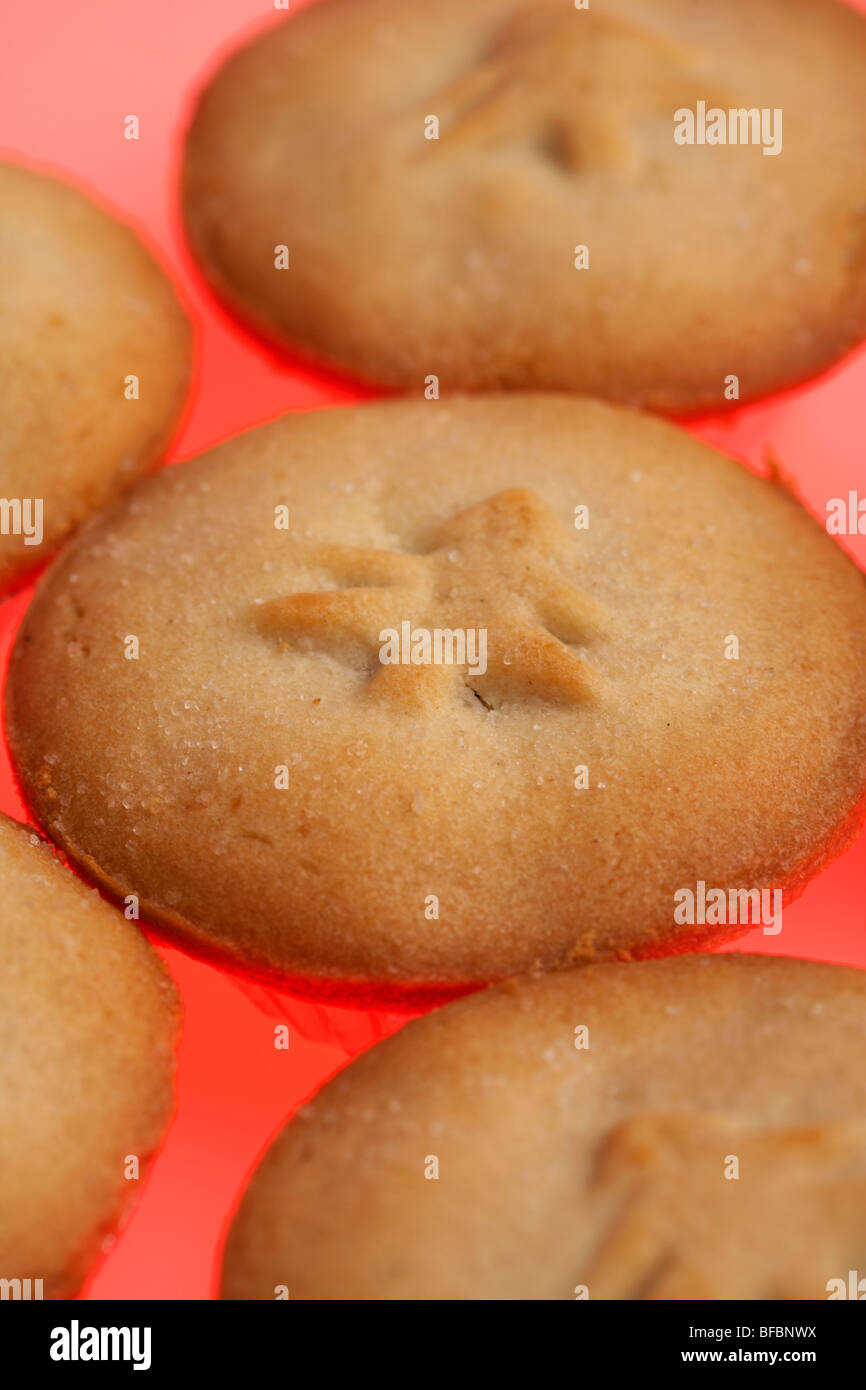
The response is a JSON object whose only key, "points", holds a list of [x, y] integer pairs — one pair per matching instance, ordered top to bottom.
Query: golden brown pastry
{"points": [[500, 193], [94, 364], [522, 674], [88, 1025], [691, 1128]]}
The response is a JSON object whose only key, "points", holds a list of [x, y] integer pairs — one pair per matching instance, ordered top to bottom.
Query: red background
{"points": [[69, 74]]}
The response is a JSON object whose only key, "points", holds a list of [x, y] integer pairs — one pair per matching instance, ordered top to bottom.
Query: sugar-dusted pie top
{"points": [[505, 193], [94, 361], [201, 710], [89, 1020], [679, 1129]]}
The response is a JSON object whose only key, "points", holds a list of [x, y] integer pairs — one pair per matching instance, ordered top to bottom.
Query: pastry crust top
{"points": [[456, 256], [83, 308], [279, 797], [88, 1026], [606, 1167]]}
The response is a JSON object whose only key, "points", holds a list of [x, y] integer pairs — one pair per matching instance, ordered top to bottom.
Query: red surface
{"points": [[69, 74]]}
